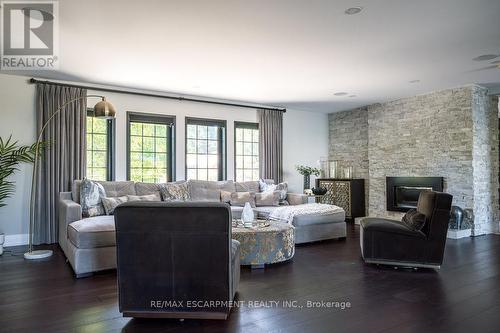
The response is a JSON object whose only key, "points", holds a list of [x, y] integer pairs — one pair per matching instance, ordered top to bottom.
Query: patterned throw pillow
{"points": [[266, 187], [283, 189], [175, 192], [91, 194], [146, 197], [267, 198], [112, 202], [414, 220]]}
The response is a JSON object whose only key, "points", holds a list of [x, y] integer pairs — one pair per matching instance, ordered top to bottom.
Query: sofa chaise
{"points": [[89, 243]]}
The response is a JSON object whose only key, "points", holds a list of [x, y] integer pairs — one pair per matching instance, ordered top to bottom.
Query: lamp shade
{"points": [[104, 109]]}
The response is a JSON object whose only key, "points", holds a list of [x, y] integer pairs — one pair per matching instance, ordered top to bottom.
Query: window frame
{"points": [[161, 119], [248, 125], [110, 144], [222, 174]]}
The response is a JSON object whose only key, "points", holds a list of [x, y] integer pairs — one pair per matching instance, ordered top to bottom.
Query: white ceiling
{"points": [[280, 52]]}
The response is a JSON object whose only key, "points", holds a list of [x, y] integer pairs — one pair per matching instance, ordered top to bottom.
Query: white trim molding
{"points": [[457, 234], [15, 240]]}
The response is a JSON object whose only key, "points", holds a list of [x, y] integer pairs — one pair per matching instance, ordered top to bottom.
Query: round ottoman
{"points": [[265, 245]]}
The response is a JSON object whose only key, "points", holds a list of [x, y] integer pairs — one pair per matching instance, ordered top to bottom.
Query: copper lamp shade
{"points": [[104, 109]]}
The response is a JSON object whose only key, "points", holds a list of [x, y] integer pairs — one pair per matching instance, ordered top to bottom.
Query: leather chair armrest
{"points": [[296, 198], [376, 224]]}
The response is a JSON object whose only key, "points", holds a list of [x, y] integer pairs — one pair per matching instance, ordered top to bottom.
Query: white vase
{"points": [[247, 214]]}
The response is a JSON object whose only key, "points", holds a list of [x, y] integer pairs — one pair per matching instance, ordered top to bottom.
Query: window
{"points": [[99, 148], [150, 148], [205, 149], [246, 150]]}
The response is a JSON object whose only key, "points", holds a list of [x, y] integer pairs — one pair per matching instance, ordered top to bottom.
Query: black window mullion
{"points": [[111, 149], [220, 152], [169, 162]]}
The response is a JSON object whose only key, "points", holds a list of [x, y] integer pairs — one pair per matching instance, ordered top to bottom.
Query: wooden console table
{"points": [[346, 193]]}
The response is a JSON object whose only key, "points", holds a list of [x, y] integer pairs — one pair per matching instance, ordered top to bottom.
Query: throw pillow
{"points": [[266, 186], [283, 189], [175, 192], [91, 193], [225, 196], [146, 197], [240, 198], [267, 198], [112, 202], [414, 220]]}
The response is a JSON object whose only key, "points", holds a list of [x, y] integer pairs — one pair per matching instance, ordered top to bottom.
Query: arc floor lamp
{"points": [[103, 109]]}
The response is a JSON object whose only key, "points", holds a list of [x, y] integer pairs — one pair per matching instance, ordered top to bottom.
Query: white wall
{"points": [[17, 105], [305, 138]]}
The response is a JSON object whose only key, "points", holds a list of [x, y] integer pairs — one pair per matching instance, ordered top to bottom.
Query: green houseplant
{"points": [[11, 155], [307, 171]]}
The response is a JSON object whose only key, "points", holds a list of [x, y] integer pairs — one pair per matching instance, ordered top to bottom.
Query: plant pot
{"points": [[307, 182], [319, 190]]}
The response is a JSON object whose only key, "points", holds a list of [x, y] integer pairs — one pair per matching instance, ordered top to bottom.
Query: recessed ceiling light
{"points": [[353, 10], [485, 57], [414, 81], [340, 93], [352, 96]]}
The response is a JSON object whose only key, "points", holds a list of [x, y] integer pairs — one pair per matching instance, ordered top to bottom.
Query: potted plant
{"points": [[11, 155], [307, 171]]}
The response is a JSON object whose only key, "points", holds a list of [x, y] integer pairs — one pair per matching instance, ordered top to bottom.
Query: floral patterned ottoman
{"points": [[268, 244]]}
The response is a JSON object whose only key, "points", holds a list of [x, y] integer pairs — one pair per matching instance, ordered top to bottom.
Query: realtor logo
{"points": [[29, 36]]}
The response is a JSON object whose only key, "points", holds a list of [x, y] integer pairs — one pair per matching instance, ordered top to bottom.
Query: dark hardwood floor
{"points": [[464, 296]]}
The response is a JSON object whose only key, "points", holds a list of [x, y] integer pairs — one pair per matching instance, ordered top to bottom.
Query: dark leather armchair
{"points": [[391, 242], [176, 260]]}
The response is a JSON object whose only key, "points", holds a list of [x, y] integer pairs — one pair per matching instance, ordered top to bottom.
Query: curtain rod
{"points": [[179, 98]]}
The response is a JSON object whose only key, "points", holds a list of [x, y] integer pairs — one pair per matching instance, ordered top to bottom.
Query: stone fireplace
{"points": [[452, 134]]}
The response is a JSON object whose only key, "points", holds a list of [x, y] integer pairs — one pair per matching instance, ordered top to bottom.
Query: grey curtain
{"points": [[271, 144], [65, 158]]}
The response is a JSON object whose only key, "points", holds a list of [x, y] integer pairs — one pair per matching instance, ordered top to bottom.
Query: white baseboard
{"points": [[357, 220], [457, 234], [15, 240]]}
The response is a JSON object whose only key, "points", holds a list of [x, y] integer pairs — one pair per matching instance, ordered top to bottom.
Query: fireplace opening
{"points": [[403, 192], [407, 196]]}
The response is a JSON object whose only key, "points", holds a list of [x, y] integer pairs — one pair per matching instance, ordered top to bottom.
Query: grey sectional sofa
{"points": [[89, 244]]}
